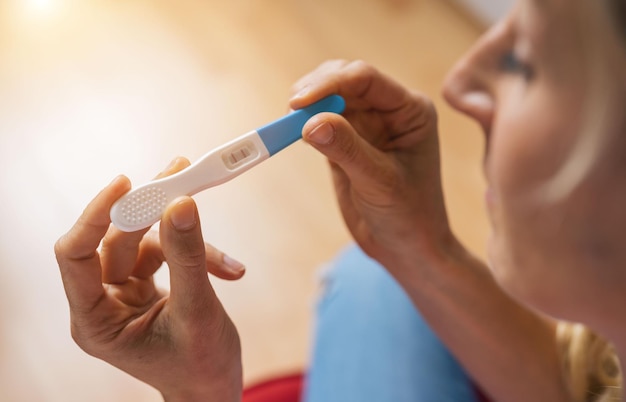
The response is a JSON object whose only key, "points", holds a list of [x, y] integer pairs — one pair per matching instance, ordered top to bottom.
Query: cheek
{"points": [[533, 134], [526, 151]]}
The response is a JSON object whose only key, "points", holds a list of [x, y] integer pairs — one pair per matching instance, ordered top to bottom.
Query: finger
{"points": [[361, 85], [176, 165], [372, 173], [119, 249], [76, 251], [151, 258], [191, 294]]}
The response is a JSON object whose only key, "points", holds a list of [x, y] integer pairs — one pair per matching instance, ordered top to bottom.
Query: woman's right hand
{"points": [[384, 157]]}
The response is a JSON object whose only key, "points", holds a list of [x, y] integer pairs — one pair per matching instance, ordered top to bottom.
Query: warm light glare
{"points": [[41, 6]]}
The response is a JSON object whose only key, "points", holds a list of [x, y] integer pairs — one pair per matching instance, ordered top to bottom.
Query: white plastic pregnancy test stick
{"points": [[144, 205]]}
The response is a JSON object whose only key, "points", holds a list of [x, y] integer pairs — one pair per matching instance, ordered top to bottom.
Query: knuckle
{"points": [[333, 64], [361, 66], [362, 70], [326, 71], [360, 76], [426, 107], [349, 149], [386, 179], [115, 242], [60, 247], [212, 254], [190, 258], [96, 334], [77, 337], [83, 340]]}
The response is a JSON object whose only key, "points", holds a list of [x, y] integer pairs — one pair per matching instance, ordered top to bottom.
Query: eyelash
{"points": [[510, 63]]}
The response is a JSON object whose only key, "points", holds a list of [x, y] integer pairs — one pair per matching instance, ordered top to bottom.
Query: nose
{"points": [[470, 87], [468, 93]]}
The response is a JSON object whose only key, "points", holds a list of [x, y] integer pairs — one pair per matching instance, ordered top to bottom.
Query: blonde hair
{"points": [[590, 365]]}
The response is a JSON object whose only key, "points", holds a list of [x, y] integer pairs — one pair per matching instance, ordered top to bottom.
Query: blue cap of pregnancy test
{"points": [[285, 131]]}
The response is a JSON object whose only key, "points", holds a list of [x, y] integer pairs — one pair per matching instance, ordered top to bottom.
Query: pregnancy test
{"points": [[143, 206]]}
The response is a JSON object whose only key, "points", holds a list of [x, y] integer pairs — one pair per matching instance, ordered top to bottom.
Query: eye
{"points": [[510, 63]]}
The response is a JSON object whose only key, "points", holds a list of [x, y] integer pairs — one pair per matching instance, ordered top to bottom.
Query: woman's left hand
{"points": [[182, 343]]}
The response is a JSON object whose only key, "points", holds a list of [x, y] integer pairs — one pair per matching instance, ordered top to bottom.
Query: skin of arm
{"points": [[384, 157], [509, 350]]}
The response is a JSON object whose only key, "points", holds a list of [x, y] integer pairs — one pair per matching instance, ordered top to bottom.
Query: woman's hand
{"points": [[384, 156], [183, 343]]}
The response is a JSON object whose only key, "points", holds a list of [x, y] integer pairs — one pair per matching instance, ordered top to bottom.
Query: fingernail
{"points": [[302, 92], [322, 134], [170, 165], [116, 180], [120, 181], [183, 215], [233, 265]]}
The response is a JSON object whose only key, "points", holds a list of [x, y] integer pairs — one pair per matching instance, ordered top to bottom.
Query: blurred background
{"points": [[91, 89]]}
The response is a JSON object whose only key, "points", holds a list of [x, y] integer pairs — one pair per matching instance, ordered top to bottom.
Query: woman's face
{"points": [[528, 82]]}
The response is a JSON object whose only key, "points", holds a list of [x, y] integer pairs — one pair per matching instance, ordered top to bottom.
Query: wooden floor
{"points": [[92, 89]]}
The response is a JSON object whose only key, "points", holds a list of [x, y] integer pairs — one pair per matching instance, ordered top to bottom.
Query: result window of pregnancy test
{"points": [[239, 154]]}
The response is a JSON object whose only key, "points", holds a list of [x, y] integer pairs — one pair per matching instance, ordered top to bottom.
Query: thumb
{"points": [[371, 172], [185, 253]]}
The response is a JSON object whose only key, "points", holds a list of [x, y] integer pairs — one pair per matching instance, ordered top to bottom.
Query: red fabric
{"points": [[282, 389], [289, 389], [481, 396]]}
